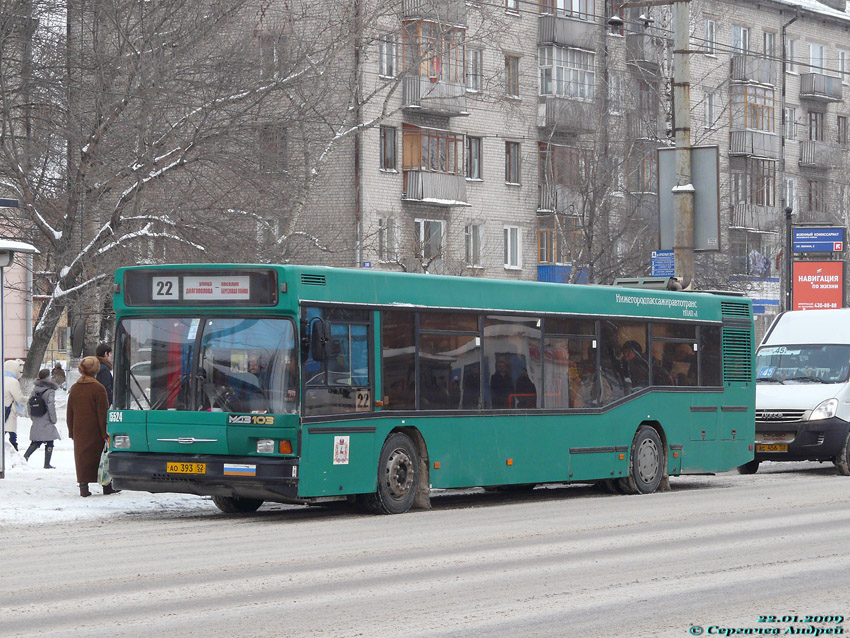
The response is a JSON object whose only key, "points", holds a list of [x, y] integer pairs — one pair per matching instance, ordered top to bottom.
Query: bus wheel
{"points": [[842, 461], [646, 465], [749, 468], [398, 477], [236, 504]]}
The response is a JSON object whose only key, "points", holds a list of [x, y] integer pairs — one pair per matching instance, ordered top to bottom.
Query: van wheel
{"points": [[842, 461], [646, 464], [749, 468], [398, 477], [237, 504]]}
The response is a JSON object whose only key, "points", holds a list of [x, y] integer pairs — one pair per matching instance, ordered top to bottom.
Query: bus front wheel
{"points": [[842, 461], [646, 465], [749, 468], [398, 477], [236, 504]]}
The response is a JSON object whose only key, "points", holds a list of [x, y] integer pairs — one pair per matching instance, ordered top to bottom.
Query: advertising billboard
{"points": [[818, 285]]}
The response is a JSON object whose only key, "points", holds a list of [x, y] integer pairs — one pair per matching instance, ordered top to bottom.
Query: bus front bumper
{"points": [[269, 479]]}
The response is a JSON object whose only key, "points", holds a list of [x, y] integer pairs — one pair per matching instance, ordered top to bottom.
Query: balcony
{"points": [[442, 11], [566, 32], [643, 51], [751, 68], [820, 88], [433, 96], [564, 115], [641, 126], [756, 143], [815, 154], [442, 189], [557, 198], [754, 217]]}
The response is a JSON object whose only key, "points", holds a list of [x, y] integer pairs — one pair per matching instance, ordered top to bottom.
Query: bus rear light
{"points": [[121, 442], [265, 446], [285, 447]]}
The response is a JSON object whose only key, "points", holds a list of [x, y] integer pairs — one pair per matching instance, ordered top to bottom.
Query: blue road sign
{"points": [[8, 203], [818, 240], [663, 263]]}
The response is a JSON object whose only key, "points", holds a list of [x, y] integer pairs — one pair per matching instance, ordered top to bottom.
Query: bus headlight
{"points": [[826, 410], [121, 442], [265, 446]]}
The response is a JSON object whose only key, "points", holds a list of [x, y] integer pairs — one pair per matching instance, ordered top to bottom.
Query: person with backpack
{"points": [[42, 409]]}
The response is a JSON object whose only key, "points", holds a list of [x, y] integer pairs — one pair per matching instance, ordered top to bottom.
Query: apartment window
{"points": [[512, 5], [615, 8], [740, 39], [769, 44], [710, 45], [435, 50], [271, 55], [386, 55], [790, 55], [817, 58], [474, 65], [843, 68], [567, 72], [512, 75], [615, 94], [752, 107], [712, 109], [790, 123], [841, 125], [816, 126], [387, 148], [272, 149], [432, 150], [512, 150], [473, 158], [568, 166], [753, 181], [790, 192], [817, 196], [473, 234], [429, 235], [558, 238], [387, 239], [513, 247], [743, 247], [62, 339]]}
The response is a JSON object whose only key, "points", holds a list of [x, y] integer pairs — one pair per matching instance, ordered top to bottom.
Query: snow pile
{"points": [[31, 494]]}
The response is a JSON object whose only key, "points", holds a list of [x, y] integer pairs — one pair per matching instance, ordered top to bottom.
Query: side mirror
{"points": [[320, 333]]}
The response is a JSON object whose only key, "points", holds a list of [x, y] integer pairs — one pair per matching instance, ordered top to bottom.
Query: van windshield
{"points": [[827, 363]]}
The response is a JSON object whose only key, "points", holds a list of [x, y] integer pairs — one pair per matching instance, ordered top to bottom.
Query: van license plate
{"points": [[772, 447], [186, 468]]}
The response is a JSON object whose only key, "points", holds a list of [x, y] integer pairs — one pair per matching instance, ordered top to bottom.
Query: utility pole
{"points": [[783, 204]]}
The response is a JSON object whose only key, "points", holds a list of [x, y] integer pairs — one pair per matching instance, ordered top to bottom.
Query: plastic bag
{"points": [[103, 468]]}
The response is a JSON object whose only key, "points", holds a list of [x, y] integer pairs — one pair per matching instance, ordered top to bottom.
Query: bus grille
{"points": [[312, 280], [729, 309], [737, 354], [779, 416]]}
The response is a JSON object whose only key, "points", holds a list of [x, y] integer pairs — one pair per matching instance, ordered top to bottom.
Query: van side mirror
{"points": [[320, 333]]}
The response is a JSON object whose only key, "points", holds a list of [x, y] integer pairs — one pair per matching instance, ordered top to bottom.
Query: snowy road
{"points": [[716, 552]]}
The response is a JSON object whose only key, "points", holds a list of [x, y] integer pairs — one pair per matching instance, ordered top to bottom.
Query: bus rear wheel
{"points": [[646, 464], [398, 477], [237, 504]]}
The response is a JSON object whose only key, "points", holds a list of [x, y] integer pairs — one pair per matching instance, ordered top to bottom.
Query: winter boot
{"points": [[13, 439], [32, 448], [48, 452], [84, 489], [108, 489]]}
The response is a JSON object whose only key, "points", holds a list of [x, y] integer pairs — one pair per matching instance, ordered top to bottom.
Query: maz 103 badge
{"points": [[250, 419]]}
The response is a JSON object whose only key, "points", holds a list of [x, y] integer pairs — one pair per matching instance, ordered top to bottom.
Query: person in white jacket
{"points": [[13, 399]]}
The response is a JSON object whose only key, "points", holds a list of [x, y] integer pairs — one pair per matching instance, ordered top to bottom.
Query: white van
{"points": [[802, 390]]}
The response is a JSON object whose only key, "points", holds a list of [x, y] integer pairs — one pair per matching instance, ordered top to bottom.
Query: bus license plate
{"points": [[772, 447], [187, 468]]}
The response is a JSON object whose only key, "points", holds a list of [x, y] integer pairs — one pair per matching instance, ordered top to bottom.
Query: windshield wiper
{"points": [[806, 378], [770, 380], [171, 389], [141, 390]]}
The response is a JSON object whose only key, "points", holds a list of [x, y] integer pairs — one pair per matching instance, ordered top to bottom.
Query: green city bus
{"points": [[303, 384]]}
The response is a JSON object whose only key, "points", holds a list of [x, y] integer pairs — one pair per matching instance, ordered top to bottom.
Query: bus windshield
{"points": [[219, 364], [803, 364]]}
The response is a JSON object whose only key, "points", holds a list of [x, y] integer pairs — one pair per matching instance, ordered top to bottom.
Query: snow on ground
{"points": [[32, 494]]}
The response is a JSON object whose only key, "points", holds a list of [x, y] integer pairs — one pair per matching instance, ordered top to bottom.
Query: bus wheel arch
{"points": [[647, 461], [402, 474], [237, 504]]}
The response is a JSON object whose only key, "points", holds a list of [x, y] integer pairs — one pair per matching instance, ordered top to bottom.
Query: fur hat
{"points": [[89, 366]]}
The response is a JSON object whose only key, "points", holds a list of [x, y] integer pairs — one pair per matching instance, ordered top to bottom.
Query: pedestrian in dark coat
{"points": [[58, 375], [104, 375], [86, 413], [43, 428]]}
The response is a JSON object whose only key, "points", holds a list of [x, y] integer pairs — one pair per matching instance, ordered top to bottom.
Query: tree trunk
{"points": [[41, 336]]}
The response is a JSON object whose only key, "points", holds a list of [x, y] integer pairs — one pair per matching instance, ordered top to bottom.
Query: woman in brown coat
{"points": [[87, 406]]}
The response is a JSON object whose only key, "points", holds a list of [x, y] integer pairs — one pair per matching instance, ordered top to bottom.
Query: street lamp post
{"points": [[8, 248], [789, 257]]}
